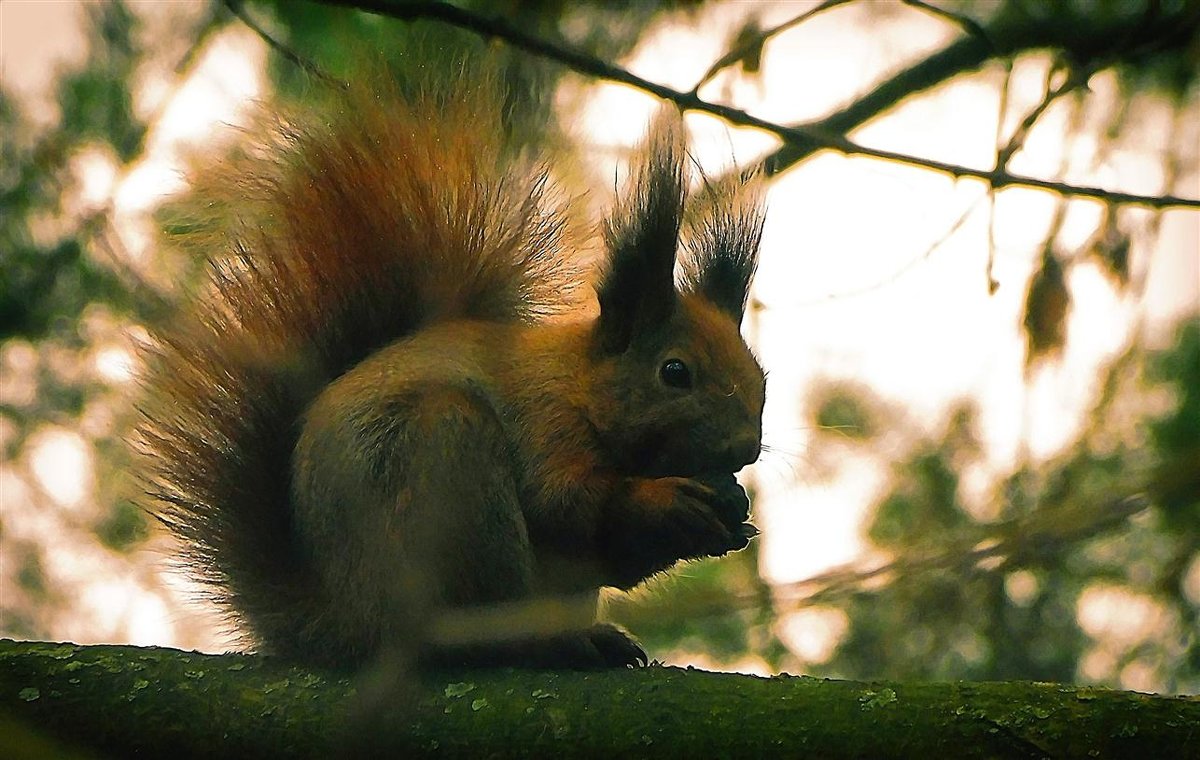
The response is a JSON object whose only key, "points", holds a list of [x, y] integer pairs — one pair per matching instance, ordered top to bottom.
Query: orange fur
{"points": [[378, 417]]}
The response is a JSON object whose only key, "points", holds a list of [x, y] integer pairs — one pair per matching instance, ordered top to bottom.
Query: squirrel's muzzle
{"points": [[742, 451], [679, 457]]}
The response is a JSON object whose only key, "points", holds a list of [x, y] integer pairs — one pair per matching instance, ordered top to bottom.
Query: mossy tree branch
{"points": [[130, 701]]}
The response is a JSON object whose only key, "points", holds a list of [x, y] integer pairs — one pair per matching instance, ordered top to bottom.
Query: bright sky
{"points": [[850, 286]]}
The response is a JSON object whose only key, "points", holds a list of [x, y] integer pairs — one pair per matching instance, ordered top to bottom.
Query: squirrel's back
{"points": [[331, 235]]}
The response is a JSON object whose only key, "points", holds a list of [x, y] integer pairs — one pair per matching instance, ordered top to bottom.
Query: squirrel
{"points": [[388, 423]]}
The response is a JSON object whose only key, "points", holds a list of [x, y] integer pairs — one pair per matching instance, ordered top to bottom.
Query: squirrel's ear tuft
{"points": [[723, 234], [642, 236]]}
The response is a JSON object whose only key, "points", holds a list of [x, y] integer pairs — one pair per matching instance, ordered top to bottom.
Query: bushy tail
{"points": [[330, 235]]}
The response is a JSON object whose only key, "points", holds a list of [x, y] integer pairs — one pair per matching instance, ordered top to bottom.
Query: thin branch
{"points": [[236, 8], [966, 23], [1007, 36], [736, 54], [965, 54], [1075, 79], [1002, 113], [805, 139], [1174, 167], [996, 178], [904, 269], [1008, 544], [996, 548]]}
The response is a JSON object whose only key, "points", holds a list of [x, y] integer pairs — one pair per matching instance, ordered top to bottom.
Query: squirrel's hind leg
{"points": [[436, 550], [488, 614]]}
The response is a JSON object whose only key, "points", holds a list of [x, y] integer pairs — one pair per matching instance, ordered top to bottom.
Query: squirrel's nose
{"points": [[744, 450]]}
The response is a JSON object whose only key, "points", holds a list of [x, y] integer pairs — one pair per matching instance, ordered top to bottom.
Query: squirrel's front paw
{"points": [[732, 506], [697, 518], [664, 520]]}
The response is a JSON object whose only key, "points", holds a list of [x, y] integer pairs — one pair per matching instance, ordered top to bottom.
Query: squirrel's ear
{"points": [[725, 224], [638, 286]]}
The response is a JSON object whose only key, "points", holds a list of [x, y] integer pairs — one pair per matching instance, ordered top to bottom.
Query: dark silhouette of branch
{"points": [[236, 8], [968, 24], [1006, 37], [740, 51], [1074, 78], [800, 140]]}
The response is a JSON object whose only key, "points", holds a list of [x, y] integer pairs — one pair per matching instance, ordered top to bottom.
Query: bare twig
{"points": [[235, 7], [968, 24], [1008, 35], [736, 54], [964, 54], [1075, 79], [1002, 113], [806, 139], [1176, 164], [994, 177], [908, 266], [1007, 545], [995, 549]]}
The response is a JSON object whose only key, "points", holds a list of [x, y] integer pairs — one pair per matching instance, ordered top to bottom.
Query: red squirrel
{"points": [[386, 416]]}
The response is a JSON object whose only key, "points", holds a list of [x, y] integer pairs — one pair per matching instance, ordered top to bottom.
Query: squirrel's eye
{"points": [[675, 374]]}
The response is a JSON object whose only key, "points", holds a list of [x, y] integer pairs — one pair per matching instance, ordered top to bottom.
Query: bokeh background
{"points": [[984, 405]]}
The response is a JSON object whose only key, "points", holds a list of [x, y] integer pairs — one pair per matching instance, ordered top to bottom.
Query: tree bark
{"points": [[124, 701]]}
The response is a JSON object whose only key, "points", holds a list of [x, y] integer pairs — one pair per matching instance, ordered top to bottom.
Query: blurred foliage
{"points": [[1151, 44], [64, 298], [843, 411], [1177, 480], [1115, 514], [962, 587], [991, 588], [717, 610]]}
